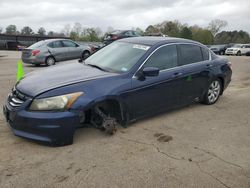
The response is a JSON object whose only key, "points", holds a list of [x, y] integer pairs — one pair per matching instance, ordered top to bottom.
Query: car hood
{"points": [[38, 82]]}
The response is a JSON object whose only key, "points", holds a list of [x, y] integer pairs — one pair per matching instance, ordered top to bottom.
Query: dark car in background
{"points": [[119, 34], [11, 45], [220, 49], [51, 51], [125, 81]]}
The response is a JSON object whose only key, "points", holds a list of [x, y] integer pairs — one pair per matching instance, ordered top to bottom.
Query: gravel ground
{"points": [[196, 146]]}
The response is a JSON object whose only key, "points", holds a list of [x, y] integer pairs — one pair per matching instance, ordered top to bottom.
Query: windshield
{"points": [[118, 56]]}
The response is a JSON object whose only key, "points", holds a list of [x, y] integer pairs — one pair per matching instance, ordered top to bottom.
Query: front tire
{"points": [[238, 53], [85, 55], [50, 61], [213, 92]]}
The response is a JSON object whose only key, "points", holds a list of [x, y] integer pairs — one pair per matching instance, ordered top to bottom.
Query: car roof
{"points": [[52, 40], [151, 41]]}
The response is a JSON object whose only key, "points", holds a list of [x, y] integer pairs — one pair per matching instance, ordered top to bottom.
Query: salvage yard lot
{"points": [[196, 146]]}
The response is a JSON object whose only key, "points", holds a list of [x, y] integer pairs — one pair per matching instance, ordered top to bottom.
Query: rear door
{"points": [[245, 49], [57, 50], [74, 51], [196, 68], [158, 93]]}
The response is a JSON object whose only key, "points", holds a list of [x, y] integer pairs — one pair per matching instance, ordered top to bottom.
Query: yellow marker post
{"points": [[20, 72]]}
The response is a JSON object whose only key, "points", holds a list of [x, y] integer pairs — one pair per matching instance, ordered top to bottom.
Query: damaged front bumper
{"points": [[53, 128]]}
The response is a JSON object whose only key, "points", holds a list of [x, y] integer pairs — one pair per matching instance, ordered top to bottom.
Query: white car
{"points": [[238, 49]]}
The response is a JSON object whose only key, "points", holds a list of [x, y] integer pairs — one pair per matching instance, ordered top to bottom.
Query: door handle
{"points": [[209, 65], [177, 74]]}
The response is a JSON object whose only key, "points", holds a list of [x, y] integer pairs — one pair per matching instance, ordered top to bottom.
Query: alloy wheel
{"points": [[50, 61], [213, 91]]}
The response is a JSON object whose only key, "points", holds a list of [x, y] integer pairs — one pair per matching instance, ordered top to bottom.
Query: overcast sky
{"points": [[122, 14]]}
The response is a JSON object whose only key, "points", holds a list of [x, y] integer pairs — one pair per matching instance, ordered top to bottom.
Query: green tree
{"points": [[170, 28], [11, 29], [151, 29], [27, 31], [41, 31], [51, 33], [186, 33], [73, 35], [92, 35], [204, 36], [226, 37]]}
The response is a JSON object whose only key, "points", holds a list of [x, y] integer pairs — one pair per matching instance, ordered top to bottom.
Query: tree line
{"points": [[212, 34]]}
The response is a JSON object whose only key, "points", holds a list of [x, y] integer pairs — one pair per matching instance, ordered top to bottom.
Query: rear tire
{"points": [[85, 55], [50, 61], [213, 92]]}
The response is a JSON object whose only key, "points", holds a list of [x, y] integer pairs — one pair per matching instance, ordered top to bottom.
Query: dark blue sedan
{"points": [[128, 80]]}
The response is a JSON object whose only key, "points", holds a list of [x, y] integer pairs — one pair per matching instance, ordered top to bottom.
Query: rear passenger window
{"points": [[56, 44], [190, 54], [205, 54], [163, 58]]}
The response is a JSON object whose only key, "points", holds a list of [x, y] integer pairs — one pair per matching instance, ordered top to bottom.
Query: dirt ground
{"points": [[196, 146]]}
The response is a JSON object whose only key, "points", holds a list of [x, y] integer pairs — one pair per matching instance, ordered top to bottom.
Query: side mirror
{"points": [[151, 71]]}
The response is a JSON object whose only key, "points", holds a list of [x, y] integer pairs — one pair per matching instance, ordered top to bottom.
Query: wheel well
{"points": [[85, 51], [50, 56], [222, 84], [110, 107]]}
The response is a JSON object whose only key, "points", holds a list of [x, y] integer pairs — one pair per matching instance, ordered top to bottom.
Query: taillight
{"points": [[114, 37], [35, 52]]}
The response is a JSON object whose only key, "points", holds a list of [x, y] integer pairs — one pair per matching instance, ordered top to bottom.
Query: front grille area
{"points": [[16, 98]]}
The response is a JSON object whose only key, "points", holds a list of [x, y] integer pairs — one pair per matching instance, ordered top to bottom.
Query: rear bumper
{"points": [[33, 60], [53, 128]]}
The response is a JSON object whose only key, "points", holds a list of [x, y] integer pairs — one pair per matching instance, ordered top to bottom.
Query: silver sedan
{"points": [[54, 50]]}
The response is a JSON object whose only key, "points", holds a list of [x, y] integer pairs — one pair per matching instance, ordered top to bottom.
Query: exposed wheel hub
{"points": [[102, 121]]}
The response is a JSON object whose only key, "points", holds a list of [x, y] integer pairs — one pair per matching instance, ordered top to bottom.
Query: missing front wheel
{"points": [[102, 120]]}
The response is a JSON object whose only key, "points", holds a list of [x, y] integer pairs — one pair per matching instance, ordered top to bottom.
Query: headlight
{"points": [[61, 102]]}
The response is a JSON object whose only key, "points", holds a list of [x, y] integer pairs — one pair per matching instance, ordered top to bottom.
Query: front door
{"points": [[73, 49], [154, 94]]}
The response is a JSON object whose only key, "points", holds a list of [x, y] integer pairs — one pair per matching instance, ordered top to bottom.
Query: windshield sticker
{"points": [[141, 47], [124, 69]]}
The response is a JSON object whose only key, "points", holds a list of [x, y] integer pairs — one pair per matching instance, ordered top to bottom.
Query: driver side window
{"points": [[163, 58]]}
